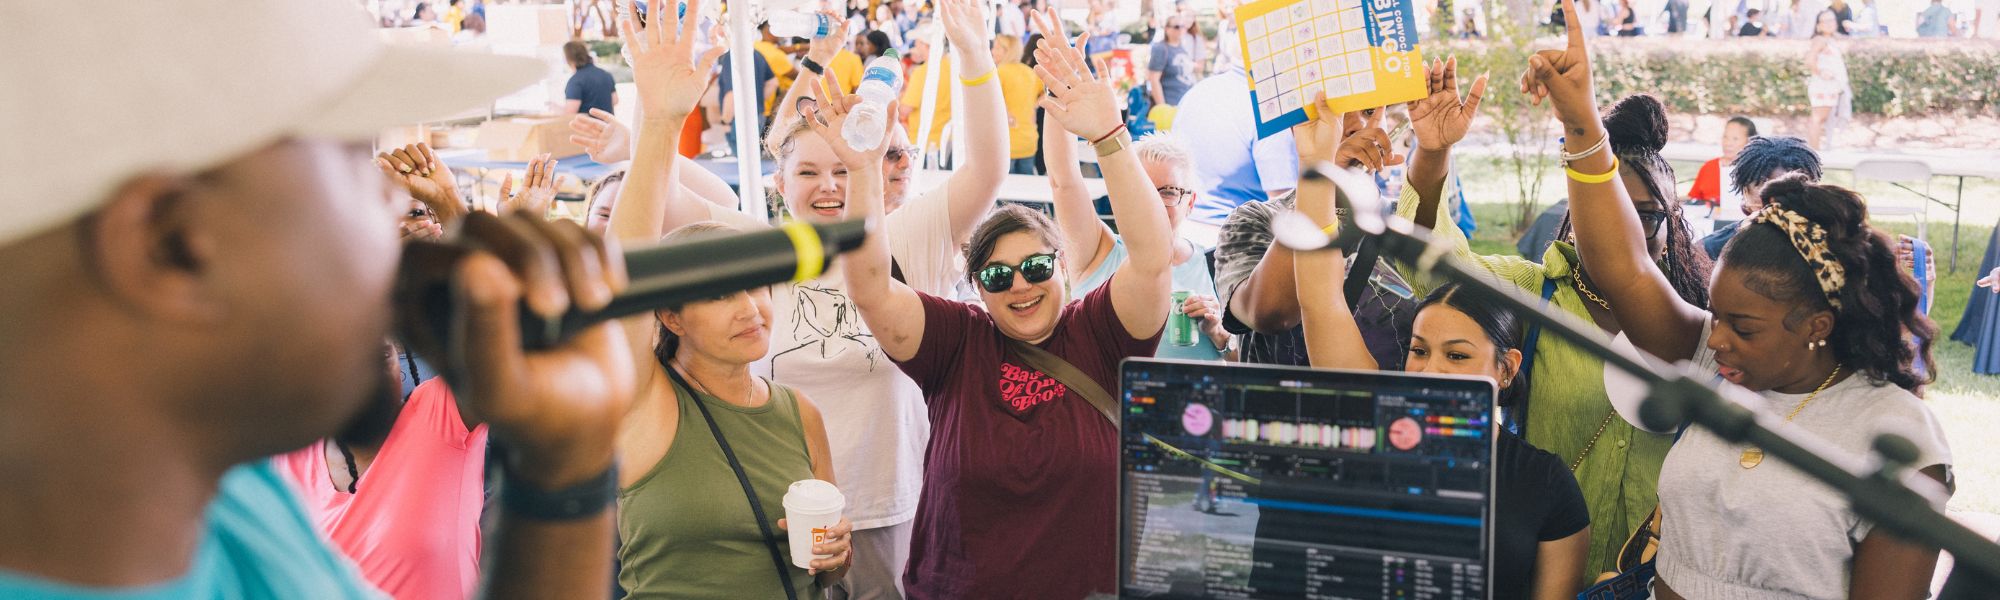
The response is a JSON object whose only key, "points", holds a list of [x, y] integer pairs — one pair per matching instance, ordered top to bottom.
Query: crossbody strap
{"points": [[1070, 376], [1517, 417], [743, 479]]}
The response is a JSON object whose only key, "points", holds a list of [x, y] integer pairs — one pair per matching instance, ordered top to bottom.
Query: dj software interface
{"points": [[1289, 483]]}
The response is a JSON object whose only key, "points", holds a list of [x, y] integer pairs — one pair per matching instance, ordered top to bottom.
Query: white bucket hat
{"points": [[92, 96]]}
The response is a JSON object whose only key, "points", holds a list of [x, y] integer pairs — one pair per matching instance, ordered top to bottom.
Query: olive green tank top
{"points": [[686, 528]]}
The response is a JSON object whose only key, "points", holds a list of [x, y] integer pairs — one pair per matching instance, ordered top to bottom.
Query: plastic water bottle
{"points": [[794, 24], [879, 85]]}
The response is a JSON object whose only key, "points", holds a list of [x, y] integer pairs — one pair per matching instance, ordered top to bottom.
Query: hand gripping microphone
{"points": [[660, 276]]}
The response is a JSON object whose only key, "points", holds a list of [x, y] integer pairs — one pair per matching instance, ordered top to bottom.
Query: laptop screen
{"points": [[1250, 481]]}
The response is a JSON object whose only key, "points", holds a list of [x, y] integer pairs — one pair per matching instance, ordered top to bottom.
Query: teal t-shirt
{"points": [[1191, 276], [259, 545]]}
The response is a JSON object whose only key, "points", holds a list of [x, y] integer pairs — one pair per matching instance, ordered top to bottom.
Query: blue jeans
{"points": [[1022, 166]]}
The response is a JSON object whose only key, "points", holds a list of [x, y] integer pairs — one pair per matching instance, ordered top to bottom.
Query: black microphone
{"points": [[660, 276], [1881, 488]]}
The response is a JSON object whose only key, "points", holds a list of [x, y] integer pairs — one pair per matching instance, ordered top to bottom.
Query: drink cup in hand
{"points": [[812, 508]]}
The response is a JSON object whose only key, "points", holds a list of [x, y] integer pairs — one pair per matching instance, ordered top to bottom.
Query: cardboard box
{"points": [[530, 24], [523, 138]]}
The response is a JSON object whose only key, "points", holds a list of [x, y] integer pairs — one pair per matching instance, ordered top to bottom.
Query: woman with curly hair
{"points": [[1810, 311], [1566, 409]]}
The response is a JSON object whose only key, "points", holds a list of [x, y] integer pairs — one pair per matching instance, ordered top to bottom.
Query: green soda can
{"points": [[1180, 328]]}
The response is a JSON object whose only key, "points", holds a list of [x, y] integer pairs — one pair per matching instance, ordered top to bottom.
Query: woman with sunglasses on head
{"points": [[1096, 252], [1810, 310], [820, 345], [1567, 410], [707, 449], [1020, 480], [1541, 527]]}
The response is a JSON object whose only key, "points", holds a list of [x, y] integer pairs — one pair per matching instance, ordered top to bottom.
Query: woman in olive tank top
{"points": [[687, 528]]}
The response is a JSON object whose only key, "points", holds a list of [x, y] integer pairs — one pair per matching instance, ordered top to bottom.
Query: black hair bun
{"points": [[1637, 124], [1842, 212]]}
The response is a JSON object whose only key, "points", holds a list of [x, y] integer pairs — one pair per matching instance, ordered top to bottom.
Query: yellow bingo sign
{"points": [[1362, 53]]}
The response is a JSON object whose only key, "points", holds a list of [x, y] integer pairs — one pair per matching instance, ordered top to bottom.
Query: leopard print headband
{"points": [[1810, 240]]}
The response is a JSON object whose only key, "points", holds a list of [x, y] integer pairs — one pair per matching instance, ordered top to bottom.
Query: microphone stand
{"points": [[1881, 488]]}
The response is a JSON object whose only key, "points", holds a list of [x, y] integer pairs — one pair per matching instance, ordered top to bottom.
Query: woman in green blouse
{"points": [[1568, 412]]}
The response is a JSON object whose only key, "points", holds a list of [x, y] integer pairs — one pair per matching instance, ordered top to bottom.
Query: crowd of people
{"points": [[1792, 19], [227, 378]]}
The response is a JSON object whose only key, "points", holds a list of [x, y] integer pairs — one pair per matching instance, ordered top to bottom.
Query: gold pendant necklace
{"points": [[1753, 456]]}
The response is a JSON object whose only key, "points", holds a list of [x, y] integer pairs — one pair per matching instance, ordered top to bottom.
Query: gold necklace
{"points": [[1577, 278], [1753, 456]]}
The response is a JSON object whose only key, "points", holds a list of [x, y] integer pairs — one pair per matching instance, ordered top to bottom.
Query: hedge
{"points": [[1768, 77]]}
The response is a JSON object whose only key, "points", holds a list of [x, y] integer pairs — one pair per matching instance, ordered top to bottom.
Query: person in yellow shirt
{"points": [[454, 16], [780, 61], [848, 67], [1020, 88], [913, 92]]}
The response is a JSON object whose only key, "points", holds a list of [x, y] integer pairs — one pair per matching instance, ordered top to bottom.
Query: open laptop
{"points": [[1250, 481]]}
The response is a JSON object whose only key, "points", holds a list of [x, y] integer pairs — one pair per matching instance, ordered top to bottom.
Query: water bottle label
{"points": [[824, 25], [886, 76]]}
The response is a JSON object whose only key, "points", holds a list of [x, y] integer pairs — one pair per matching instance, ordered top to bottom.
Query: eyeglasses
{"points": [[898, 153], [1172, 196], [1650, 220], [1036, 268]]}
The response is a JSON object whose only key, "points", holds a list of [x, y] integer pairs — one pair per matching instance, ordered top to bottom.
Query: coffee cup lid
{"points": [[813, 495]]}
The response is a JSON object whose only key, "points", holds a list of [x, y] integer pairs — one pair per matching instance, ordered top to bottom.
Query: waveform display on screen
{"points": [[1259, 482]]}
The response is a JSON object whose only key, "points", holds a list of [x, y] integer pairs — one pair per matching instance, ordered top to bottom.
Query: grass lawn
{"points": [[1967, 403]]}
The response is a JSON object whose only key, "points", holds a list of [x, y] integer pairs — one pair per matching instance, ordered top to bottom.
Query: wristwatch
{"points": [[810, 65]]}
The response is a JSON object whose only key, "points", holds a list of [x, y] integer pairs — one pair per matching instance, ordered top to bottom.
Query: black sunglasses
{"points": [[1036, 268]]}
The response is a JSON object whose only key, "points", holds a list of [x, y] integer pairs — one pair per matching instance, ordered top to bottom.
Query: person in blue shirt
{"points": [[762, 78], [589, 87], [1232, 165], [1093, 252], [158, 342]]}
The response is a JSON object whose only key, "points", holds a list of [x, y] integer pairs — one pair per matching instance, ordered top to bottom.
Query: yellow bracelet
{"points": [[978, 80], [1600, 178], [1331, 229]]}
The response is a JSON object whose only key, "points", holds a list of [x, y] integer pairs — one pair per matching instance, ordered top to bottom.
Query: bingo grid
{"points": [[1306, 47]]}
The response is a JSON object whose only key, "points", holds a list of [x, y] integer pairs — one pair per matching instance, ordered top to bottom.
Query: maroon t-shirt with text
{"points": [[1021, 475]]}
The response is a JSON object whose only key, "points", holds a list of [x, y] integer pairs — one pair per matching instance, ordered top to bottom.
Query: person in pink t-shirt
{"points": [[1020, 478], [400, 490]]}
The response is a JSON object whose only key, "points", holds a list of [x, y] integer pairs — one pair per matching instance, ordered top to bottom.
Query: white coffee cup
{"points": [[812, 507]]}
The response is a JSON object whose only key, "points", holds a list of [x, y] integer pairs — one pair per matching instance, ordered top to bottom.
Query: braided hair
{"points": [[1637, 131], [1878, 301]]}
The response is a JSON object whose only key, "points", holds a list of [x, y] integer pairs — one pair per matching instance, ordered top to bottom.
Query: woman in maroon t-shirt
{"points": [[1020, 479]]}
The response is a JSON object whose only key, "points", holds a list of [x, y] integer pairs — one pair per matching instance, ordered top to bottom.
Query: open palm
{"points": [[670, 78], [1083, 102], [1441, 118], [828, 119]]}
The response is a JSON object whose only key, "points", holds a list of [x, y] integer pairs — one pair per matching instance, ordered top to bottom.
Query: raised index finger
{"points": [[1573, 21]]}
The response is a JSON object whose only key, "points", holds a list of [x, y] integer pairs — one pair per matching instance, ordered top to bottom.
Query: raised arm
{"points": [[821, 51], [670, 79], [1085, 102], [982, 118], [1439, 121], [608, 141], [418, 170], [1086, 237], [1608, 238], [1268, 300], [894, 312], [1333, 339]]}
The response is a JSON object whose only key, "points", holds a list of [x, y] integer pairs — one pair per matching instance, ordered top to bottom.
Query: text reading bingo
{"points": [[1362, 53]]}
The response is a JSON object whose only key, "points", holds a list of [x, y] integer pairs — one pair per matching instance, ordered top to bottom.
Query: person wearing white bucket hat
{"points": [[198, 258]]}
